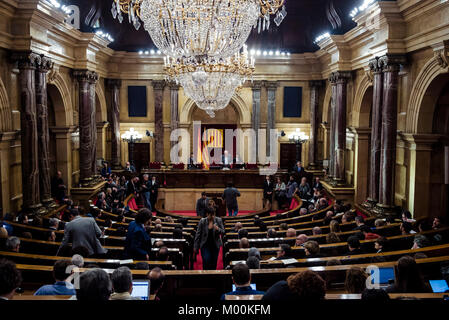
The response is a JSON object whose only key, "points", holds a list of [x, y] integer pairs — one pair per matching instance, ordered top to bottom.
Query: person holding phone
{"points": [[208, 237]]}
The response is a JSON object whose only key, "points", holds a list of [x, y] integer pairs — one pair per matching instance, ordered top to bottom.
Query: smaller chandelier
{"points": [[211, 84], [131, 136], [298, 137]]}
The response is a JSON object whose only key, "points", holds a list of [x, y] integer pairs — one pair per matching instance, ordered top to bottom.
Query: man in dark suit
{"points": [[191, 162], [130, 168], [298, 168], [132, 186], [154, 187], [58, 188], [145, 190], [268, 190], [230, 195], [201, 205], [82, 232]]}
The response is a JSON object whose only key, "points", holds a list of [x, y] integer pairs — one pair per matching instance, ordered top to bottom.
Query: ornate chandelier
{"points": [[200, 28], [213, 83]]}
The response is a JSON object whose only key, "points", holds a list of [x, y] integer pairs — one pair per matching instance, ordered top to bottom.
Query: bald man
{"points": [[291, 233], [301, 239], [156, 277]]}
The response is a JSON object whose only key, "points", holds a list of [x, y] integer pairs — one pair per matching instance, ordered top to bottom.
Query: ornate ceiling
{"points": [[306, 19]]}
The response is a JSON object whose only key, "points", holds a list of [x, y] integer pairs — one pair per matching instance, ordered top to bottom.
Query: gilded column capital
{"points": [[441, 53], [26, 59], [392, 62], [45, 65], [374, 66], [85, 75], [340, 77], [257, 85], [271, 85]]}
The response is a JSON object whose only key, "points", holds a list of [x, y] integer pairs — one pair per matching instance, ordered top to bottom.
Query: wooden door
{"points": [[141, 155], [288, 155]]}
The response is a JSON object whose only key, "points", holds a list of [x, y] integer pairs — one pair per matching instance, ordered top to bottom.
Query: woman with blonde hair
{"points": [[334, 226]]}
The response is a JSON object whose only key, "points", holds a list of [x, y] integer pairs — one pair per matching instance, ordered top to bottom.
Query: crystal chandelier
{"points": [[200, 28], [213, 83]]}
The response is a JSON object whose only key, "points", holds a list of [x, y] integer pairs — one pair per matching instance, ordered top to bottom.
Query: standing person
{"points": [[191, 162], [129, 167], [106, 170], [58, 187], [154, 187], [292, 188], [304, 189], [145, 190], [268, 191], [280, 192], [230, 195], [201, 205], [82, 232], [208, 238], [138, 241]]}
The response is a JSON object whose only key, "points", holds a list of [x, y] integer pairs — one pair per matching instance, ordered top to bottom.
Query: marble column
{"points": [[27, 63], [390, 65], [341, 79], [333, 83], [114, 86], [158, 89], [271, 111], [174, 112], [255, 114], [93, 121], [314, 123], [87, 124], [376, 129], [43, 131], [101, 139], [6, 141]]}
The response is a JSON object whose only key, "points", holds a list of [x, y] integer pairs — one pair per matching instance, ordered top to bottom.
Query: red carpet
{"points": [[198, 264]]}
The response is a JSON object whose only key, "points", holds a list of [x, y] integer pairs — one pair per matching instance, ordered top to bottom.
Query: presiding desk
{"points": [[196, 178]]}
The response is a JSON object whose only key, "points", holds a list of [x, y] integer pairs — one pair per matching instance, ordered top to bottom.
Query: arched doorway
{"points": [[439, 191]]}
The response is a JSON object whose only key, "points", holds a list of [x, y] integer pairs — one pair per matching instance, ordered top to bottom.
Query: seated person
{"points": [[304, 189], [303, 211], [359, 221], [379, 223], [437, 223], [239, 226], [283, 226], [406, 228], [317, 231], [271, 233], [290, 233], [367, 233], [301, 239], [420, 241], [244, 243], [13, 244], [380, 244], [354, 246], [312, 250], [254, 252], [284, 252], [162, 254], [253, 263], [156, 277], [241, 277], [408, 278], [10, 279], [355, 280], [122, 284], [62, 286], [94, 286], [303, 286]]}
